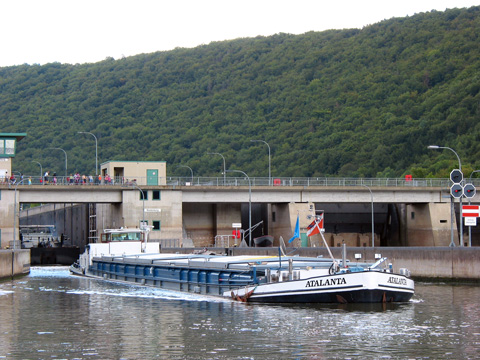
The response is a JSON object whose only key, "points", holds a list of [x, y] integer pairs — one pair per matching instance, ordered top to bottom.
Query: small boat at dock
{"points": [[267, 279]]}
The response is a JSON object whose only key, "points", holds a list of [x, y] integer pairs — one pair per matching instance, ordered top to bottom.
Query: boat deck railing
{"points": [[226, 241], [241, 263]]}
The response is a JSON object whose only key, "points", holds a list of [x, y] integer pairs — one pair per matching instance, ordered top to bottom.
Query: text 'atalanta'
{"points": [[397, 281], [325, 282]]}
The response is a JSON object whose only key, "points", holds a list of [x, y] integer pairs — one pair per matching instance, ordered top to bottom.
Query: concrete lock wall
{"points": [[6, 218], [71, 220], [14, 263]]}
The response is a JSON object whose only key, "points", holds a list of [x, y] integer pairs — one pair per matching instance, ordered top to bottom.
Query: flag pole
{"points": [[321, 231]]}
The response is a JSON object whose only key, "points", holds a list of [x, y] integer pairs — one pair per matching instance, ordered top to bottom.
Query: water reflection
{"points": [[51, 314]]}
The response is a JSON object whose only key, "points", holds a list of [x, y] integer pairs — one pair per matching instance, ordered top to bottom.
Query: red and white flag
{"points": [[315, 226]]}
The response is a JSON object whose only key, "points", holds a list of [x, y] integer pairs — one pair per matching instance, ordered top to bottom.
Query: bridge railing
{"points": [[237, 181], [306, 182]]}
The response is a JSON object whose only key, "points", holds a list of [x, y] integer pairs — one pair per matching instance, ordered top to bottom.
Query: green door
{"points": [[152, 176], [304, 238]]}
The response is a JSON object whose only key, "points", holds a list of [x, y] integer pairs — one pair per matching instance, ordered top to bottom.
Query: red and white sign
{"points": [[470, 210]]}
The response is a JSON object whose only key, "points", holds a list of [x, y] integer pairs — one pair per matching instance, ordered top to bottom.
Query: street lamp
{"points": [[436, 147], [96, 149], [65, 160], [269, 160], [188, 167], [41, 171], [224, 174], [249, 205], [373, 224], [452, 243]]}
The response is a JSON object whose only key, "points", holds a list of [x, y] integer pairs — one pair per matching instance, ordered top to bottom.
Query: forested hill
{"points": [[359, 102]]}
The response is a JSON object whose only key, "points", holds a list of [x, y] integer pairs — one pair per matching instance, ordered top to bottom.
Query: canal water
{"points": [[53, 315]]}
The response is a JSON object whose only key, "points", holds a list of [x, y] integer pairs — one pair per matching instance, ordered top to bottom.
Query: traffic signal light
{"points": [[456, 176], [456, 190], [469, 190]]}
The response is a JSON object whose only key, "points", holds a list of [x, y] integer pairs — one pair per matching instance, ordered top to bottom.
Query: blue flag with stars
{"points": [[296, 233]]}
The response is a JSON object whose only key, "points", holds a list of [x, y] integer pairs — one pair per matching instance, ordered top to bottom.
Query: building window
{"points": [[7, 147], [10, 147], [156, 195], [144, 196], [412, 214], [143, 224], [156, 225]]}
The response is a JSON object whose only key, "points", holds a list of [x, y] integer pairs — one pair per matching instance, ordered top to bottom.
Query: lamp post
{"points": [[436, 147], [96, 149], [65, 160], [269, 160], [188, 167], [41, 170], [224, 172], [249, 205], [373, 224], [452, 243]]}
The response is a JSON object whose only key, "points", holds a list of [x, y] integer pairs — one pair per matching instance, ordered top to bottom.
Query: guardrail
{"points": [[238, 181], [295, 181], [306, 182]]}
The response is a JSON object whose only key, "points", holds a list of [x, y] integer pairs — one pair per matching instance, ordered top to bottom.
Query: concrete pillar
{"points": [[167, 210], [6, 218], [284, 218], [429, 225]]}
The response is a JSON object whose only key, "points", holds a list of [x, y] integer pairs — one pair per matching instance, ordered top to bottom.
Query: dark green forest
{"points": [[351, 103]]}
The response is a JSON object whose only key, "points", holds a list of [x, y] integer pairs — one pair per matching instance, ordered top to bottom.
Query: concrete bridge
{"points": [[236, 194], [406, 213]]}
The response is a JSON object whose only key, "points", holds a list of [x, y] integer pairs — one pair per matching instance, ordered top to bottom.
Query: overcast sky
{"points": [[79, 31]]}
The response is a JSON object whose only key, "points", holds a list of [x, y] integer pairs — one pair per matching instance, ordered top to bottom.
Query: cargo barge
{"points": [[268, 279]]}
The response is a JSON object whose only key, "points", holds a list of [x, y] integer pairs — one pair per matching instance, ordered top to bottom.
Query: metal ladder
{"points": [[92, 223]]}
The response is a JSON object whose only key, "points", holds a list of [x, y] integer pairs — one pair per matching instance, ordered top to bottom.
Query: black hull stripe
{"points": [[396, 288], [309, 290]]}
